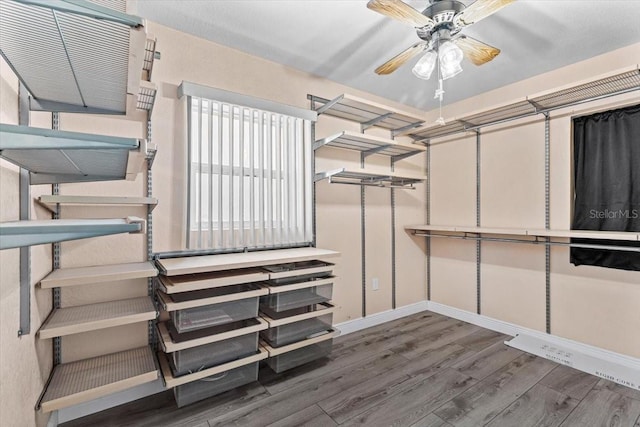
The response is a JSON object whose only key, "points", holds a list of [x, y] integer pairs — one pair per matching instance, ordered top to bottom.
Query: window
{"points": [[250, 177]]}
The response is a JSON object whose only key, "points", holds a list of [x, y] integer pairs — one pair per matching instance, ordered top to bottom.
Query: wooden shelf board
{"points": [[51, 201], [209, 263], [98, 274], [194, 282], [169, 305], [328, 308], [91, 317], [168, 346], [273, 351], [84, 380], [170, 381]]}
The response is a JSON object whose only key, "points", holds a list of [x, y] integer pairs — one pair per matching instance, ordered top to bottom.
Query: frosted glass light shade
{"points": [[450, 56], [425, 66]]}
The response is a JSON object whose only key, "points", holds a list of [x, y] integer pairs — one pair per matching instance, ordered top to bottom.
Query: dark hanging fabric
{"points": [[607, 184]]}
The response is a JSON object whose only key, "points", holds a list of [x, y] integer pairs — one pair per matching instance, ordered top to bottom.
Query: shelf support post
{"points": [[55, 190], [25, 211], [428, 215], [547, 216], [478, 222], [393, 241], [363, 243], [150, 280]]}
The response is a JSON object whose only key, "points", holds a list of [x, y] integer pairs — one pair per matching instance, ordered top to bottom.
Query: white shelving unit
{"points": [[81, 57], [66, 81], [623, 81], [367, 113], [369, 145], [54, 156], [362, 178], [52, 202], [14, 234], [566, 234], [212, 263], [64, 277], [213, 304], [91, 317], [84, 380]]}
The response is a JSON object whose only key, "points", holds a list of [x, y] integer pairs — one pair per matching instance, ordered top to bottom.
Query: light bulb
{"points": [[450, 56], [424, 67]]}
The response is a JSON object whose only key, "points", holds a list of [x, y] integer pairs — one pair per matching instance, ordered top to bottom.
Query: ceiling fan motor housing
{"points": [[442, 12]]}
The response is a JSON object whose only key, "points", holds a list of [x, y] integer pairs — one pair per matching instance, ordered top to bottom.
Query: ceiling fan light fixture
{"points": [[450, 56], [425, 66]]}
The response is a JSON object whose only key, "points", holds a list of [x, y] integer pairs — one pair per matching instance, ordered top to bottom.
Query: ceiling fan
{"points": [[438, 28]]}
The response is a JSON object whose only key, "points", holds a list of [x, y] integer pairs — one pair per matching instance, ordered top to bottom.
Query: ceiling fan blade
{"points": [[479, 10], [401, 11], [476, 51], [394, 63]]}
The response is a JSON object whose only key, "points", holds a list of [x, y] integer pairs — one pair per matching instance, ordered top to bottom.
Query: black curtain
{"points": [[607, 184]]}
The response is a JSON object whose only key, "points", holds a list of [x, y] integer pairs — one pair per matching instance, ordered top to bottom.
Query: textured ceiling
{"points": [[344, 41]]}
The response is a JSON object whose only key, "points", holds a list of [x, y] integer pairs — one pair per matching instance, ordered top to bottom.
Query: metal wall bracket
{"points": [[366, 125]]}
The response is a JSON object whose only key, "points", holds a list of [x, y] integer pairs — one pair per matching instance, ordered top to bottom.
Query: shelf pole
{"points": [[55, 190], [478, 213], [25, 214], [428, 214], [547, 217], [393, 242], [363, 243]]}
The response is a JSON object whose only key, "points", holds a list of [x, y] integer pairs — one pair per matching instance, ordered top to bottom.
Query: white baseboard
{"points": [[355, 325], [624, 370]]}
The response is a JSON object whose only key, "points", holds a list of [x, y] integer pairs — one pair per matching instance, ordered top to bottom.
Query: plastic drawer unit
{"points": [[298, 271], [193, 282], [296, 295], [210, 307], [295, 325], [290, 356], [197, 358], [210, 382], [215, 384]]}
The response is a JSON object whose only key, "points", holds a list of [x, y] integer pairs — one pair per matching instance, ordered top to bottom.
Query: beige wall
{"points": [[338, 207], [593, 305], [25, 361]]}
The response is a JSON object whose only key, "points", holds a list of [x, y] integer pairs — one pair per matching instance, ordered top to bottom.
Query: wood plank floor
{"points": [[425, 370]]}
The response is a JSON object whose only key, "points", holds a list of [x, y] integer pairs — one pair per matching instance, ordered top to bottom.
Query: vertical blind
{"points": [[250, 177]]}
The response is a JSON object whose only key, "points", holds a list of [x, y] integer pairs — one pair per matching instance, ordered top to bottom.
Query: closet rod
{"points": [[535, 242]]}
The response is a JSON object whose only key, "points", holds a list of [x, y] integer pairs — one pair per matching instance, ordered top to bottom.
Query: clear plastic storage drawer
{"points": [[298, 271], [283, 301], [205, 316], [278, 336], [205, 356], [291, 359], [201, 389]]}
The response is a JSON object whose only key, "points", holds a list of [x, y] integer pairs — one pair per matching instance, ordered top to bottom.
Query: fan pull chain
{"points": [[440, 90]]}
